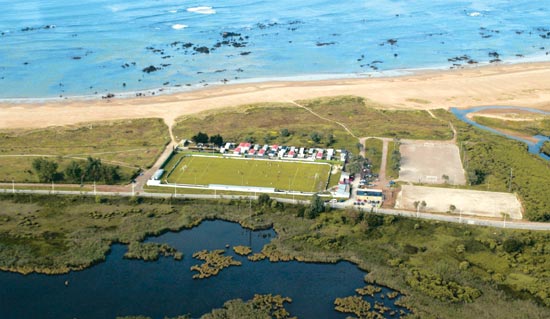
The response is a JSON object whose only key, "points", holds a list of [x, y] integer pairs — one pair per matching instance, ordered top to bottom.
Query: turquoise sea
{"points": [[56, 49]]}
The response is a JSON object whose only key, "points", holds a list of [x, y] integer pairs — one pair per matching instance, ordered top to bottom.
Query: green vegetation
{"points": [[365, 118], [268, 123], [288, 124], [530, 128], [130, 144], [545, 148], [373, 151], [489, 159], [393, 162], [90, 171], [305, 177], [50, 234], [55, 234], [242, 250], [151, 251], [423, 260], [214, 262], [369, 290], [353, 304], [261, 307]]}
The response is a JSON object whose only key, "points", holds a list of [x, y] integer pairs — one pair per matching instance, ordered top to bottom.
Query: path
{"points": [[324, 118], [142, 179]]}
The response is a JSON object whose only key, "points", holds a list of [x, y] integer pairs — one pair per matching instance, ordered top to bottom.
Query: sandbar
{"points": [[525, 85]]}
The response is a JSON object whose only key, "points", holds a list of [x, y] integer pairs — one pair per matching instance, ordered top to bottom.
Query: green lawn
{"points": [[127, 143], [305, 177]]}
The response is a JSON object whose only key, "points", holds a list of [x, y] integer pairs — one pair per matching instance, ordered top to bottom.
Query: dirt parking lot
{"points": [[427, 162], [468, 202]]}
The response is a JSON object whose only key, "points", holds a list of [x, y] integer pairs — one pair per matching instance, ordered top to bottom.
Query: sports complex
{"points": [[185, 170]]}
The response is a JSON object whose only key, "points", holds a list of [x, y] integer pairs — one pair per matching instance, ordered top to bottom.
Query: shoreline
{"points": [[524, 84]]}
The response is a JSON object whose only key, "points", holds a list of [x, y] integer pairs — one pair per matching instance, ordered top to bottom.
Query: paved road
{"points": [[444, 218]]}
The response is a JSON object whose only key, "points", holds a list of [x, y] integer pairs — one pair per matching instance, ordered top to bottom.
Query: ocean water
{"points": [[58, 49]]}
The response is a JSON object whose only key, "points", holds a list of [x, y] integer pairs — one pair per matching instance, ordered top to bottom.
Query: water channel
{"points": [[534, 147]]}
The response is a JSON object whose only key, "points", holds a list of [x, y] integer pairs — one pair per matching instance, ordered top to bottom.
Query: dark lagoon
{"points": [[120, 287]]}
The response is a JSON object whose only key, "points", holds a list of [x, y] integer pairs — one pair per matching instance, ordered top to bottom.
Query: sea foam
{"points": [[202, 10], [178, 26]]}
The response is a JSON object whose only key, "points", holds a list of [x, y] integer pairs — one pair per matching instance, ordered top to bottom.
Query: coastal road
{"points": [[428, 216]]}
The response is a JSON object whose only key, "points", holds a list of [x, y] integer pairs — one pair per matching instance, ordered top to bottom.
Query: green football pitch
{"points": [[295, 176]]}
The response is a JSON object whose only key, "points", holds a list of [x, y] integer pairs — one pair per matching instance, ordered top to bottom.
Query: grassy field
{"points": [[365, 118], [264, 123], [530, 128], [129, 144], [305, 177], [444, 270]]}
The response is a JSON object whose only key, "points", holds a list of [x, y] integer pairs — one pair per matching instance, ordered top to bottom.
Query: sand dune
{"points": [[520, 85]]}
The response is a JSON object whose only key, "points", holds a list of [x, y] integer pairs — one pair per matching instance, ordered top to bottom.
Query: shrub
{"points": [[511, 245]]}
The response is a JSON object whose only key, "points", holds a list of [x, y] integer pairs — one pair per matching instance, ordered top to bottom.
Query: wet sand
{"points": [[525, 85]]}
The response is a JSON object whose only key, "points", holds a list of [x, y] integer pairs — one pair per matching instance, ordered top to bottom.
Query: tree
{"points": [[285, 132], [315, 137], [200, 138], [250, 139], [216, 140], [330, 140], [396, 160], [93, 169], [46, 170], [74, 172], [111, 174], [445, 178], [263, 200], [423, 205], [317, 207], [452, 208], [511, 245]]}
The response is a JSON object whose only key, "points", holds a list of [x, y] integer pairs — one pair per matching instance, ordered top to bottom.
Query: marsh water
{"points": [[534, 147], [120, 287]]}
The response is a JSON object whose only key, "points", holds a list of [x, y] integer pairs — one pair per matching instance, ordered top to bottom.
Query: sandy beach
{"points": [[525, 85]]}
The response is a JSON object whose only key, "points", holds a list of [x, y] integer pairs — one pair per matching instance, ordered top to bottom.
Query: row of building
{"points": [[282, 152]]}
